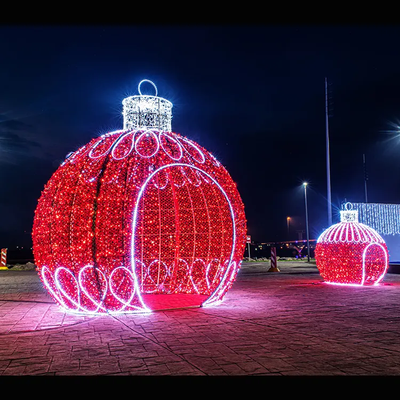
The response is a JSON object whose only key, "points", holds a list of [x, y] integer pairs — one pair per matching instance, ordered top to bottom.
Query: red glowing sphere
{"points": [[138, 220], [351, 253]]}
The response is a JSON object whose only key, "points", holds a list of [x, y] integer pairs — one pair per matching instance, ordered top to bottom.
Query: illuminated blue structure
{"points": [[385, 219]]}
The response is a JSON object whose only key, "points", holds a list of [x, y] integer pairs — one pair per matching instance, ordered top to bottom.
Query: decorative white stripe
{"points": [[157, 134], [156, 139], [176, 141], [190, 143], [115, 146], [90, 154], [350, 232], [363, 263], [363, 276], [61, 289], [216, 293], [125, 303]]}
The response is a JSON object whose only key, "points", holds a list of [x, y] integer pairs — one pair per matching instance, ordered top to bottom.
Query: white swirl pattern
{"points": [[183, 144], [108, 288], [73, 301]]}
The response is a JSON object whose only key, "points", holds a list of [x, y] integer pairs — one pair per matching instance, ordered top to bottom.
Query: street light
{"points": [[288, 227], [308, 238]]}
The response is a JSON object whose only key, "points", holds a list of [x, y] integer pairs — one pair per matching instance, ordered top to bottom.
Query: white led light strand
{"points": [[145, 111], [146, 134], [137, 135], [101, 139], [177, 143], [115, 146], [198, 151], [139, 155], [383, 218], [349, 230], [363, 263], [80, 287], [217, 292]]}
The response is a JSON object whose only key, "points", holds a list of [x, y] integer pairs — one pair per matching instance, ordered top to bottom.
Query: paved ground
{"points": [[277, 323]]}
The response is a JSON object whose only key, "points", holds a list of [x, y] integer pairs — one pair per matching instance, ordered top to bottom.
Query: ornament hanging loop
{"points": [[149, 81], [348, 206]]}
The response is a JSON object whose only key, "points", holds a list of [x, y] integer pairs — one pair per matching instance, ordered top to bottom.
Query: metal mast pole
{"points": [[328, 167], [365, 179], [308, 236]]}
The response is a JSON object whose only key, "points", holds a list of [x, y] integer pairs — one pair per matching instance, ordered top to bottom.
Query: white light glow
{"points": [[147, 80], [144, 111], [145, 134], [174, 140], [100, 141], [117, 142], [199, 152], [384, 218], [339, 233], [363, 263], [80, 285], [217, 292]]}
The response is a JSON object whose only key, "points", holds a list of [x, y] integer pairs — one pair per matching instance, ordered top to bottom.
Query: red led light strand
{"points": [[100, 182], [351, 253]]}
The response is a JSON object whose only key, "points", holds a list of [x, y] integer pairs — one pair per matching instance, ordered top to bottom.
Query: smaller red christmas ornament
{"points": [[351, 253]]}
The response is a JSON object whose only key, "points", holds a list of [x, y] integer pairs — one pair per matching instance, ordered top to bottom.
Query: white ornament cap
{"points": [[145, 111], [348, 215]]}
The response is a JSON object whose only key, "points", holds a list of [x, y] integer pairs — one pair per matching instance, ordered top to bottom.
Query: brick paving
{"points": [[279, 323]]}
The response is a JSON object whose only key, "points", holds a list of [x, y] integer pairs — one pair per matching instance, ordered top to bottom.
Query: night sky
{"points": [[252, 95]]}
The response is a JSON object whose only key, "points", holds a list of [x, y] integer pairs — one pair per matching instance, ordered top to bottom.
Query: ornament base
{"points": [[159, 302]]}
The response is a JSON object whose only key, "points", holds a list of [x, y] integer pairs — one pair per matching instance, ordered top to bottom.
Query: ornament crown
{"points": [[145, 111], [348, 214]]}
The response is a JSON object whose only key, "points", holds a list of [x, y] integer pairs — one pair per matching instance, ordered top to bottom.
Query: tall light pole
{"points": [[328, 167], [365, 179], [288, 226], [308, 237]]}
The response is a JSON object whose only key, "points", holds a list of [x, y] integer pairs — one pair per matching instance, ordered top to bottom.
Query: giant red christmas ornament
{"points": [[139, 219], [351, 253]]}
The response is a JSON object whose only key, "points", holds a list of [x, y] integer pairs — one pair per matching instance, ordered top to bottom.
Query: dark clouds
{"points": [[252, 95], [15, 144]]}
